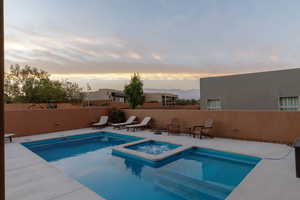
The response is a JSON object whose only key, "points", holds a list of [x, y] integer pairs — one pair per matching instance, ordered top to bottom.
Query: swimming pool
{"points": [[195, 174]]}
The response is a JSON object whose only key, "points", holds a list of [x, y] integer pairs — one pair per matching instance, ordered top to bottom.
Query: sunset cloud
{"points": [[162, 40], [133, 55], [156, 56], [274, 58], [145, 76]]}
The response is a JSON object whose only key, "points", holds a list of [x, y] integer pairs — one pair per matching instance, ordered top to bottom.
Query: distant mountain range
{"points": [[182, 94]]}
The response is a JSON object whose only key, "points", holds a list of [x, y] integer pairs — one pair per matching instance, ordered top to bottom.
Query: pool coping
{"points": [[154, 158], [256, 185], [65, 188]]}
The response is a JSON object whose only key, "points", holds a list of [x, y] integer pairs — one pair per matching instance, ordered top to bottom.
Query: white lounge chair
{"points": [[129, 121], [102, 122], [144, 124], [9, 136]]}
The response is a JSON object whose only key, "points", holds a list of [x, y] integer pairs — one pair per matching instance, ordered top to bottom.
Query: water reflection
{"points": [[69, 147], [136, 168]]}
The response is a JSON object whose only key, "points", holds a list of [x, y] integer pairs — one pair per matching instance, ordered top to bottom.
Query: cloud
{"points": [[102, 41], [21, 46], [98, 48], [62, 53], [133, 55], [156, 56], [274, 58], [145, 76]]}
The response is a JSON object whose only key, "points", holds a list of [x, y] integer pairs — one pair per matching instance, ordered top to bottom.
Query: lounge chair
{"points": [[129, 121], [101, 123], [144, 124], [204, 129], [9, 136]]}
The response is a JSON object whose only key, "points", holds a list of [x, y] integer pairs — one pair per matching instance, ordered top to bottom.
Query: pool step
{"points": [[220, 157], [192, 188], [184, 192]]}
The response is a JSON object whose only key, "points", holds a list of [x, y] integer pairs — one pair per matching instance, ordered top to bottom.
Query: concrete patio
{"points": [[28, 177]]}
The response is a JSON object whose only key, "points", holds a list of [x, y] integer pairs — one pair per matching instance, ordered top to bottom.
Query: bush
{"points": [[153, 101], [187, 102], [116, 115]]}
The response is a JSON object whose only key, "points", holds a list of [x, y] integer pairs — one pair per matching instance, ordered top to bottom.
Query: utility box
{"points": [[297, 157]]}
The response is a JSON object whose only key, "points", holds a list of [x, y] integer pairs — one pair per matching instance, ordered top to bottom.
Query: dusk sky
{"points": [[171, 43]]}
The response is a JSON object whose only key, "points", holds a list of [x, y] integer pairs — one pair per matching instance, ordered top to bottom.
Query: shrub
{"points": [[116, 115]]}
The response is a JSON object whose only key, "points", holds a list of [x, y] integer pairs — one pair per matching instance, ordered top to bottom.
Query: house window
{"points": [[289, 103], [213, 104]]}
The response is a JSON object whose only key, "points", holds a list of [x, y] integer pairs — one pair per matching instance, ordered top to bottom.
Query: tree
{"points": [[23, 84], [31, 85], [47, 91], [72, 91], [134, 92]]}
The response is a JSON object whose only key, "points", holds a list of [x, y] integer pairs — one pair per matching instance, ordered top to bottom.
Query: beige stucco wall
{"points": [[30, 122], [271, 126]]}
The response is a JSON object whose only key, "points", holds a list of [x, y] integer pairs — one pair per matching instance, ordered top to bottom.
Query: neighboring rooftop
{"points": [[255, 73], [182, 94], [105, 95], [165, 99]]}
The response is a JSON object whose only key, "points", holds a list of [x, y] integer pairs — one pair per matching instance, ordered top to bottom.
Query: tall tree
{"points": [[31, 85], [72, 91], [134, 92]]}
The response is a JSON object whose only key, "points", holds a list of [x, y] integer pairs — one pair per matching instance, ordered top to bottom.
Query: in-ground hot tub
{"points": [[153, 147], [153, 152]]}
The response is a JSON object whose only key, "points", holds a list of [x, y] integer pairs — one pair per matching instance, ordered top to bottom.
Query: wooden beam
{"points": [[2, 176]]}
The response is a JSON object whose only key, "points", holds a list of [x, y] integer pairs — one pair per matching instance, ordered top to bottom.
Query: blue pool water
{"points": [[153, 147], [196, 174]]}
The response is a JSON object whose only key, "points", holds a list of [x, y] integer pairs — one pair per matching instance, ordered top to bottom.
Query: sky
{"points": [[171, 43]]}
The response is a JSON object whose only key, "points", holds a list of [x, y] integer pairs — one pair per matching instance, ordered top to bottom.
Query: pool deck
{"points": [[28, 177]]}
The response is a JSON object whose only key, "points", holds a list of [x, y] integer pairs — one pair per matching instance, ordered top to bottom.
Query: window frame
{"points": [[288, 107], [213, 108]]}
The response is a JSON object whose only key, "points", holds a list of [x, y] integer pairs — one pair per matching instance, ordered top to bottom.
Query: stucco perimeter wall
{"points": [[31, 122], [270, 126]]}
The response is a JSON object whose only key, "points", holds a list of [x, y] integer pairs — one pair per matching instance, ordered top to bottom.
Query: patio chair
{"points": [[129, 121], [101, 123], [144, 124], [173, 126], [204, 130], [9, 136]]}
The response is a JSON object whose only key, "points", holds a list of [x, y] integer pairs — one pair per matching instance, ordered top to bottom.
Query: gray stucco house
{"points": [[273, 90]]}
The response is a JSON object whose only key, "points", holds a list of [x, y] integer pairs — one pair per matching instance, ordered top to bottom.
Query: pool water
{"points": [[153, 147], [197, 174]]}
